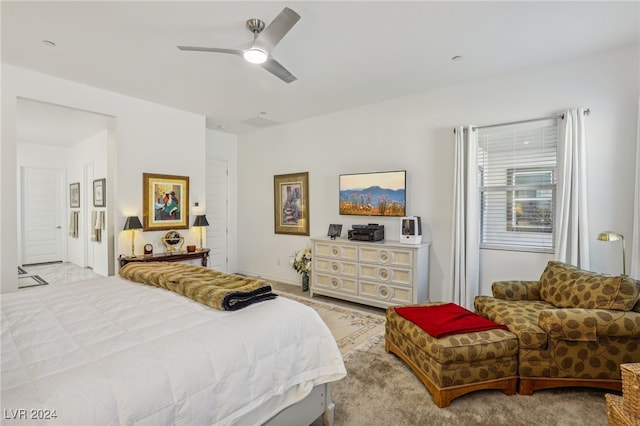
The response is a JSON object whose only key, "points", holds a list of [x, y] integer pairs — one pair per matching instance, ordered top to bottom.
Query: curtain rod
{"points": [[561, 116]]}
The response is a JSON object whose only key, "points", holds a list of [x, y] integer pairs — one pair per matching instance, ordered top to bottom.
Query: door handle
{"points": [[58, 227]]}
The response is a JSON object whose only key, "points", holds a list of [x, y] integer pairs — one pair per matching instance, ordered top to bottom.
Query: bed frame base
{"points": [[317, 403]]}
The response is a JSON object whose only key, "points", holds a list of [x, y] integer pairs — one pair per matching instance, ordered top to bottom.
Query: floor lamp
{"points": [[201, 222], [131, 224], [614, 236]]}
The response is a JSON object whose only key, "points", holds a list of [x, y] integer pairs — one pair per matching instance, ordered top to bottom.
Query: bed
{"points": [[111, 351]]}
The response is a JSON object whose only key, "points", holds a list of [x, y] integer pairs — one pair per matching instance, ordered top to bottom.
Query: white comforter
{"points": [[109, 351]]}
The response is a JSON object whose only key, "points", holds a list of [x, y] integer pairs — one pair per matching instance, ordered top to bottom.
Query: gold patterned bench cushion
{"points": [[566, 286], [521, 316], [458, 348], [453, 374]]}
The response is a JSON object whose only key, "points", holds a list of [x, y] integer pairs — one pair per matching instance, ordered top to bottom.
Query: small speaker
{"points": [[411, 230]]}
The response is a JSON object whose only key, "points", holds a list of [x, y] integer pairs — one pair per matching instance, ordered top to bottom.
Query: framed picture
{"points": [[74, 195], [99, 195], [165, 202], [291, 203], [335, 229]]}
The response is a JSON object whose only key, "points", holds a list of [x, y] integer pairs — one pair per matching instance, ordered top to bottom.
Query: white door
{"points": [[217, 213], [43, 223]]}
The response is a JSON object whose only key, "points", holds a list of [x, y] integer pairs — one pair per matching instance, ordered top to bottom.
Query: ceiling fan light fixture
{"points": [[255, 56]]}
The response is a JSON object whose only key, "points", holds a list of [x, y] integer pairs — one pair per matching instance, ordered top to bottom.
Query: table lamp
{"points": [[201, 221], [132, 223], [614, 236]]}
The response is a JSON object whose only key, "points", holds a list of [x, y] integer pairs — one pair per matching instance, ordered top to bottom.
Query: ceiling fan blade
{"points": [[276, 30], [211, 49], [275, 68]]}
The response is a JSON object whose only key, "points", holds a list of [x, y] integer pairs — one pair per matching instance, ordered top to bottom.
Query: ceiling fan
{"points": [[264, 40]]}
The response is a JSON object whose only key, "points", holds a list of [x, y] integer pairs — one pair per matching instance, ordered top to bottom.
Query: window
{"points": [[517, 183], [530, 203]]}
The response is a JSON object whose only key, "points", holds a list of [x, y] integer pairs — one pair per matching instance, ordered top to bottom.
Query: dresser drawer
{"points": [[336, 251], [386, 256], [336, 267], [385, 274], [341, 284], [385, 292]]}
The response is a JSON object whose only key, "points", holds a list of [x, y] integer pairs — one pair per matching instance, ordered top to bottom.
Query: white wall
{"points": [[416, 133], [147, 137], [90, 152]]}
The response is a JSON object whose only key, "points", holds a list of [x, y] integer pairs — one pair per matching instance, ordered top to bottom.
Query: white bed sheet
{"points": [[109, 351]]}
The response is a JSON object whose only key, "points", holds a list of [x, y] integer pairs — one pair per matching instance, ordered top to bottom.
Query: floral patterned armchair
{"points": [[574, 327]]}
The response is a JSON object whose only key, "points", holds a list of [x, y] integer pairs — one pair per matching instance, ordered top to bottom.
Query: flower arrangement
{"points": [[301, 261]]}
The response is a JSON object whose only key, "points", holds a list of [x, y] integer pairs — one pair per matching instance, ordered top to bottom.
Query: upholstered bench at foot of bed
{"points": [[454, 365]]}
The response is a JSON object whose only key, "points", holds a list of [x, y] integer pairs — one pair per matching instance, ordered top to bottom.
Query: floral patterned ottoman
{"points": [[457, 364]]}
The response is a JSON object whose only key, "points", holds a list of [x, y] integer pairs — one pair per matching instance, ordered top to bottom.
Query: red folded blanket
{"points": [[444, 320]]}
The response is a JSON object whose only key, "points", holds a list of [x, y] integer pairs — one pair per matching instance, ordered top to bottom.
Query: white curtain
{"points": [[466, 219], [572, 225], [635, 241]]}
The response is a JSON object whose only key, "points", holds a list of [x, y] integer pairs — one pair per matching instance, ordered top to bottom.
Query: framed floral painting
{"points": [[165, 202], [291, 203]]}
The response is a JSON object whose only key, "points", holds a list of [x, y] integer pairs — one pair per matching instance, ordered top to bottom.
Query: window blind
{"points": [[517, 184]]}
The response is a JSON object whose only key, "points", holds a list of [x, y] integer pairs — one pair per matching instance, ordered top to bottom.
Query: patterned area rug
{"points": [[352, 329]]}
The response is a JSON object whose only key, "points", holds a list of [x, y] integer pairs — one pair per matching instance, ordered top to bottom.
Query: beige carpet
{"points": [[351, 328], [381, 390]]}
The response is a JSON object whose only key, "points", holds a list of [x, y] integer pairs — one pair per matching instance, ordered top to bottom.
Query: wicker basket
{"points": [[631, 389], [615, 413]]}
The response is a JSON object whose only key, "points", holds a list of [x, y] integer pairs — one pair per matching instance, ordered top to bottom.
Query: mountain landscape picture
{"points": [[373, 194]]}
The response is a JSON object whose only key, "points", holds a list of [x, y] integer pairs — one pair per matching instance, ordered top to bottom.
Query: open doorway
{"points": [[60, 152]]}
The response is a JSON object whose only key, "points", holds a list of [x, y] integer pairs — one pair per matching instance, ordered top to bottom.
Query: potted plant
{"points": [[301, 263]]}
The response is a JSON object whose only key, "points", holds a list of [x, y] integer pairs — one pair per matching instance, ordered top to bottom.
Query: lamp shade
{"points": [[201, 220], [132, 222], [609, 236], [614, 236]]}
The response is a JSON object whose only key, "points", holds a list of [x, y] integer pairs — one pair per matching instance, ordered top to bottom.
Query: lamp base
{"points": [[133, 249]]}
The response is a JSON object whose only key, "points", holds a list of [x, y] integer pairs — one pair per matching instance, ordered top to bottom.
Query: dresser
{"points": [[381, 274]]}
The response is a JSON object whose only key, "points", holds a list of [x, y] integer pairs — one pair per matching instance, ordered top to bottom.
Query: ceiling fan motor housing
{"points": [[255, 25]]}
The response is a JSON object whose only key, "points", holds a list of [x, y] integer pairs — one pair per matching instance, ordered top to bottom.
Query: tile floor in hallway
{"points": [[60, 272]]}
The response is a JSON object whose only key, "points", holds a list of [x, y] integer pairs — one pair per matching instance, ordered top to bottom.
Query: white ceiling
{"points": [[344, 54]]}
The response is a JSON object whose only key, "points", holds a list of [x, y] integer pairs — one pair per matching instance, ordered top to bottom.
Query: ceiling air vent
{"points": [[260, 122]]}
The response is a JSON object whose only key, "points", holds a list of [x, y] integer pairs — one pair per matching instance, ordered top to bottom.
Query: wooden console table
{"points": [[168, 257]]}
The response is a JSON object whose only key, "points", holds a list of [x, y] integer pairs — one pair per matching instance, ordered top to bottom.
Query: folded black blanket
{"points": [[238, 300]]}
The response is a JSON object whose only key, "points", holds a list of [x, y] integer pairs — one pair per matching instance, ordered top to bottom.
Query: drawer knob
{"points": [[335, 251], [384, 256], [335, 267], [384, 274], [334, 282], [383, 291]]}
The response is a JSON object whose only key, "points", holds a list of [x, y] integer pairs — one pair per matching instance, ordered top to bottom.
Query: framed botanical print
{"points": [[74, 195], [99, 196], [165, 202], [291, 203]]}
